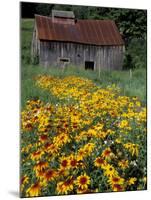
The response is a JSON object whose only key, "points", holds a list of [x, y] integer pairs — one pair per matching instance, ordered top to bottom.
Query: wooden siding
{"points": [[35, 47], [104, 57]]}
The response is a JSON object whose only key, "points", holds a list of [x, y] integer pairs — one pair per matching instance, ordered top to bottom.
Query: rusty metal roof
{"points": [[95, 32]]}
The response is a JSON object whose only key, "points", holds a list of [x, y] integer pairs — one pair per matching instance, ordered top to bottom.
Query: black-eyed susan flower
{"points": [[124, 124], [68, 137], [43, 138], [61, 139], [51, 148], [132, 148], [106, 152], [81, 154], [37, 155], [64, 162], [73, 162], [99, 162], [123, 164], [40, 166], [109, 170], [50, 175], [115, 180], [132, 180], [24, 181], [83, 181], [68, 185], [60, 188], [117, 188], [34, 190]]}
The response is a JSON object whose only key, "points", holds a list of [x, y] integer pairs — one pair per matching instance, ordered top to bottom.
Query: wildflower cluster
{"points": [[91, 140]]}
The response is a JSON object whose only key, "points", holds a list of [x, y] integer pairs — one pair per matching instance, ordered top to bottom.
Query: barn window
{"points": [[65, 60], [89, 65]]}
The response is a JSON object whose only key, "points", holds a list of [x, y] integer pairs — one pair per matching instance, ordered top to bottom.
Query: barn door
{"points": [[89, 65]]}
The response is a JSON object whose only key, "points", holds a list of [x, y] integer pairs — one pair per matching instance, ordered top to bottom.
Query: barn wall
{"points": [[35, 46], [104, 57]]}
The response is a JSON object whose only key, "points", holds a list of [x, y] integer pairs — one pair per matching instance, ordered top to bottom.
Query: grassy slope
{"points": [[136, 86]]}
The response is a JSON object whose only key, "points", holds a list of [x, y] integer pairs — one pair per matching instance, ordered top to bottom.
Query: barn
{"points": [[62, 40]]}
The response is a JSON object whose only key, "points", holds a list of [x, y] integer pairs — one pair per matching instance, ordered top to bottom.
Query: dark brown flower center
{"points": [[100, 161], [64, 163], [73, 163], [115, 179], [83, 180], [118, 187]]}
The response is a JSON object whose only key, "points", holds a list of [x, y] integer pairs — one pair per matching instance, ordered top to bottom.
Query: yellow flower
{"points": [[138, 103], [124, 124], [61, 139], [118, 140], [132, 148], [106, 153], [81, 154], [37, 155], [64, 162], [73, 162], [99, 162], [123, 164], [40, 166], [109, 170], [50, 175], [115, 180], [24, 181], [83, 181], [132, 181], [68, 185], [117, 188], [60, 189], [34, 190], [81, 191]]}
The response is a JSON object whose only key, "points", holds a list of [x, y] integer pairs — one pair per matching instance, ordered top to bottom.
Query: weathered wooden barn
{"points": [[62, 40]]}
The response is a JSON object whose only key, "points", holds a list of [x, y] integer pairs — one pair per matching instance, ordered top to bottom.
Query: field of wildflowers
{"points": [[92, 139]]}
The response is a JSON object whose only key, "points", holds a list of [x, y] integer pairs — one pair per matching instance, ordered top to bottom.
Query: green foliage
{"points": [[44, 9], [131, 22], [26, 26], [135, 56]]}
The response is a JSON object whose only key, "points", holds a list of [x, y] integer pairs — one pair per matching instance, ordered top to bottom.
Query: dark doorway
{"points": [[89, 65]]}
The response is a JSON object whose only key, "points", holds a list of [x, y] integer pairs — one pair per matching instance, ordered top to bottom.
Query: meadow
{"points": [[80, 132]]}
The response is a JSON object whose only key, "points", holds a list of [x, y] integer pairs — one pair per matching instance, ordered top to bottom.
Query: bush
{"points": [[135, 56]]}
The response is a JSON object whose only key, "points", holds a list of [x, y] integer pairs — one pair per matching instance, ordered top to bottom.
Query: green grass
{"points": [[27, 26], [130, 86]]}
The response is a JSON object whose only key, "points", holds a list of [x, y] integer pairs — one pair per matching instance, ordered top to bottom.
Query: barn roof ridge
{"points": [[84, 31]]}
